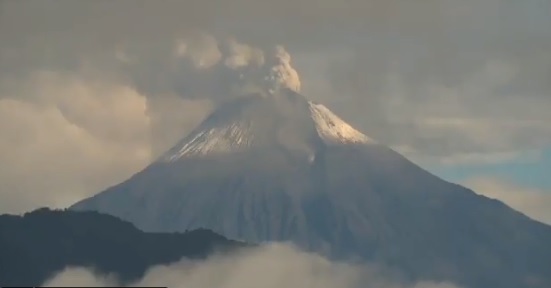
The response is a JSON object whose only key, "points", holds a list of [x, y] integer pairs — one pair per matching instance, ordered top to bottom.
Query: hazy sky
{"points": [[92, 91]]}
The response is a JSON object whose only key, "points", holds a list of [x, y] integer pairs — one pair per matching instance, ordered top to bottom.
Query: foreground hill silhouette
{"points": [[277, 167], [41, 243]]}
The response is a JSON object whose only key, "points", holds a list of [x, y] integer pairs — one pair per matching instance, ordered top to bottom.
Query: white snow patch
{"points": [[332, 129], [238, 135], [216, 139]]}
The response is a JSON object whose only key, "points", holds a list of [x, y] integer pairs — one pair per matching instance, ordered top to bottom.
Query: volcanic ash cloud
{"points": [[232, 67]]}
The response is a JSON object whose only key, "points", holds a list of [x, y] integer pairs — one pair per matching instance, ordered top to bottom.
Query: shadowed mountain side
{"points": [[41, 243]]}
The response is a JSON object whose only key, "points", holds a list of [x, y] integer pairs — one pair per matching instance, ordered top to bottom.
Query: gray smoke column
{"points": [[203, 67], [251, 69], [280, 73], [183, 80]]}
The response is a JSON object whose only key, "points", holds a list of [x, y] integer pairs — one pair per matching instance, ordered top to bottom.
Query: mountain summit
{"points": [[256, 122], [277, 167]]}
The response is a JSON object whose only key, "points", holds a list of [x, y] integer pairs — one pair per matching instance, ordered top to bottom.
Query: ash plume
{"points": [[203, 67], [201, 71]]}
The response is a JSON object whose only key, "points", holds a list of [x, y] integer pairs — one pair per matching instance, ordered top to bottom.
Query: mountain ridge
{"points": [[38, 244]]}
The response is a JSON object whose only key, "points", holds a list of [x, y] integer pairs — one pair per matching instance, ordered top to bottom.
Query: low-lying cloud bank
{"points": [[269, 266]]}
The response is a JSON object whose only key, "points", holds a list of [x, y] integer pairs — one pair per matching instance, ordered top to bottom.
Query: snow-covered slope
{"points": [[259, 122], [333, 129], [227, 138]]}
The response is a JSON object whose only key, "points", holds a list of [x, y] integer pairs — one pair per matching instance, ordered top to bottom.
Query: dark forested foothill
{"points": [[35, 246]]}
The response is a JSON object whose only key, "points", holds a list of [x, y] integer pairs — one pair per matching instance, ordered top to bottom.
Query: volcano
{"points": [[278, 167]]}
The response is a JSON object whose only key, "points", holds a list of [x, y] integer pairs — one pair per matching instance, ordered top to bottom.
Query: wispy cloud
{"points": [[67, 137], [469, 158], [269, 266]]}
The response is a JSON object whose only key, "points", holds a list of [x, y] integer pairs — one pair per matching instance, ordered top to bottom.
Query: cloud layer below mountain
{"points": [[269, 266]]}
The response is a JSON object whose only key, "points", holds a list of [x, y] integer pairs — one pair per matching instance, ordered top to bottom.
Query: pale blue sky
{"points": [[527, 172]]}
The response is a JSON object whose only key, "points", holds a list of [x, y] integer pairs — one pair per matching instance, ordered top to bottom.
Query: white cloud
{"points": [[64, 138], [466, 158], [490, 158], [531, 201], [269, 266]]}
